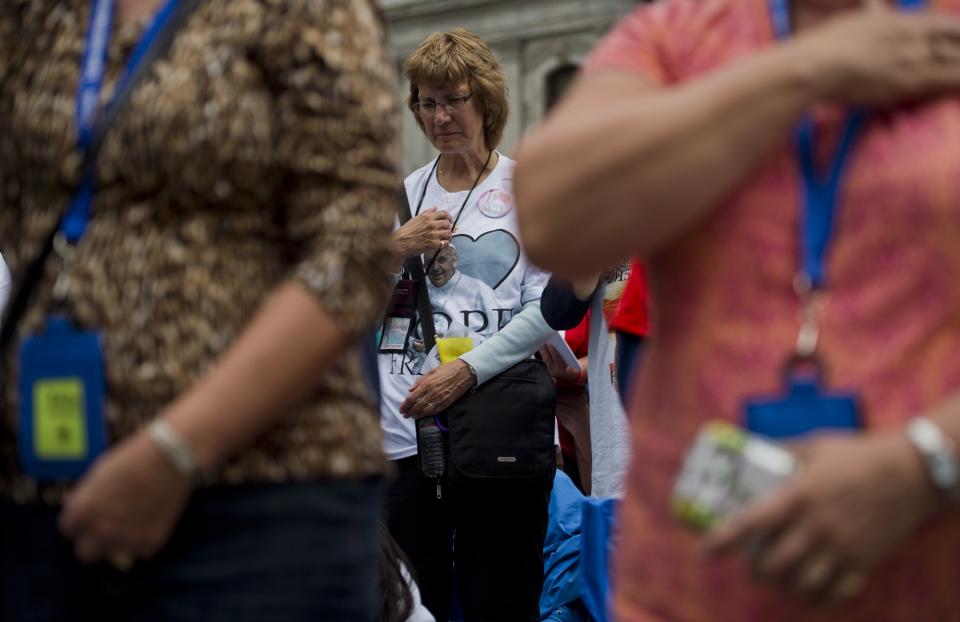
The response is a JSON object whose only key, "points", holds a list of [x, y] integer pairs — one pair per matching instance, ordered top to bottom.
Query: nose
{"points": [[441, 116]]}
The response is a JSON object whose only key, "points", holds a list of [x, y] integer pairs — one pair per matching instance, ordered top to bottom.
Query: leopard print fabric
{"points": [[262, 148]]}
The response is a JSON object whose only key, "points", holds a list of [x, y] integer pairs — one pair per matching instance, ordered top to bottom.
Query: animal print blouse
{"points": [[262, 148]]}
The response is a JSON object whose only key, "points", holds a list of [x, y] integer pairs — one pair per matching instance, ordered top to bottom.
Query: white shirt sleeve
{"points": [[516, 341]]}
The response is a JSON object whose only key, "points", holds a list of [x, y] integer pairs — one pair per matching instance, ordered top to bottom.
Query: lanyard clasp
{"points": [[67, 252], [812, 302]]}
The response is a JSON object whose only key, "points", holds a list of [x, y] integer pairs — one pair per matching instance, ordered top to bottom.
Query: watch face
{"points": [[938, 454], [943, 470]]}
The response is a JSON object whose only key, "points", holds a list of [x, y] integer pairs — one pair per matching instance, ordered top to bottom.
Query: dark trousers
{"points": [[627, 357], [492, 531], [285, 552]]}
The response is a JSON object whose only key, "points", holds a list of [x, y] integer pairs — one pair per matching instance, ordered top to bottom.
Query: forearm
{"points": [[651, 161], [513, 343], [274, 364]]}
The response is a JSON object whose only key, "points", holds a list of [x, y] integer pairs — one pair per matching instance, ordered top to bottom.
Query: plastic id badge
{"points": [[398, 324], [62, 387], [805, 408], [725, 469]]}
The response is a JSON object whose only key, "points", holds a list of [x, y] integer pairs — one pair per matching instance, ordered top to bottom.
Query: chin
{"points": [[445, 145]]}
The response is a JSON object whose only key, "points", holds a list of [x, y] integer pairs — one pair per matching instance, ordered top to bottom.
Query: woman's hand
{"points": [[879, 56], [430, 230], [558, 368], [439, 387], [853, 503], [126, 506]]}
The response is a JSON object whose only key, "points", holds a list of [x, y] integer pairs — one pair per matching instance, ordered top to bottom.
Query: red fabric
{"points": [[633, 315], [578, 336]]}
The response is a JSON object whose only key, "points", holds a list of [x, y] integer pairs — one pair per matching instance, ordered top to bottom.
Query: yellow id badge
{"points": [[450, 348], [59, 419]]}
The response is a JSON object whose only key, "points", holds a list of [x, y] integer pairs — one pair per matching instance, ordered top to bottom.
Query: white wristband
{"points": [[173, 446]]}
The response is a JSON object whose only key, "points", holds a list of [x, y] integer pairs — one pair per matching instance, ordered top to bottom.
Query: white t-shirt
{"points": [[492, 281], [5, 284], [609, 430]]}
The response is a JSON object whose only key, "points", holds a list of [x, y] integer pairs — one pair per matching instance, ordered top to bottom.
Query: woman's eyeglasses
{"points": [[428, 107]]}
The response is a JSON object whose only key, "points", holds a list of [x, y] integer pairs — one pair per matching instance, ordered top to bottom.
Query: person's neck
{"points": [[458, 171]]}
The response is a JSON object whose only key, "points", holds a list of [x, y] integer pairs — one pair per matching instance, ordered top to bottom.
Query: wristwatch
{"points": [[473, 374], [939, 454]]}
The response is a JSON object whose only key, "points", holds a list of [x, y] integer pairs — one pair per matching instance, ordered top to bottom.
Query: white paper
{"points": [[560, 345]]}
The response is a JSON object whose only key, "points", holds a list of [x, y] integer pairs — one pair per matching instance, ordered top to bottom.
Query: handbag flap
{"points": [[505, 429]]}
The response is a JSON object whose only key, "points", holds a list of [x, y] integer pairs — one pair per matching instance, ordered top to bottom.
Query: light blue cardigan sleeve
{"points": [[516, 341]]}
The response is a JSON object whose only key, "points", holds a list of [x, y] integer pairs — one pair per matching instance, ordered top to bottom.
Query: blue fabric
{"points": [[597, 526], [561, 547], [576, 552], [573, 612]]}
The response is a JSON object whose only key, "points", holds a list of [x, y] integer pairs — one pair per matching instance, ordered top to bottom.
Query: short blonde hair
{"points": [[448, 59]]}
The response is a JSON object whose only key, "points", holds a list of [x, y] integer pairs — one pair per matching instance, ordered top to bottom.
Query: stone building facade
{"points": [[539, 43]]}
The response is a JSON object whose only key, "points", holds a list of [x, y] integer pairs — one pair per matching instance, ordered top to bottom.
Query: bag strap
{"points": [[414, 266], [23, 290]]}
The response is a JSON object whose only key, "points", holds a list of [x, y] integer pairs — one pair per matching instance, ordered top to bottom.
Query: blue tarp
{"points": [[597, 526], [561, 547], [576, 550]]}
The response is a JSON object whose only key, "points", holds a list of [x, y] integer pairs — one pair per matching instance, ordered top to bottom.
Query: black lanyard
{"points": [[462, 205]]}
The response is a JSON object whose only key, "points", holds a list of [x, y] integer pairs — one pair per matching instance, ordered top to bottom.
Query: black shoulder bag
{"points": [[503, 429]]}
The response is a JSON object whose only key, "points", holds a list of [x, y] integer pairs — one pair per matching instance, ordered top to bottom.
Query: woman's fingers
{"points": [[938, 24], [880, 56], [550, 357], [755, 523], [87, 549], [782, 556], [848, 585]]}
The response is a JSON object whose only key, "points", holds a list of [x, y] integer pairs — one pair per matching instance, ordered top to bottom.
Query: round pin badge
{"points": [[495, 203]]}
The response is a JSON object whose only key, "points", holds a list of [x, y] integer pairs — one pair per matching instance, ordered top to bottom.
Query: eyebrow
{"points": [[430, 99]]}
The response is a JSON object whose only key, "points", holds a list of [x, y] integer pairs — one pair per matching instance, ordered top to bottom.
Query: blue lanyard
{"points": [[92, 70], [820, 192]]}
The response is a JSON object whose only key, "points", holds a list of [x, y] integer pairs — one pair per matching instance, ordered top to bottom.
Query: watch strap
{"points": [[939, 454]]}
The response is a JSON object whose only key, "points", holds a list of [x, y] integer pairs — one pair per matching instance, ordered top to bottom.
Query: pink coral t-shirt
{"points": [[726, 317]]}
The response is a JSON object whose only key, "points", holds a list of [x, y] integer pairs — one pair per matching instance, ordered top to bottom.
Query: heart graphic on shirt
{"points": [[490, 257]]}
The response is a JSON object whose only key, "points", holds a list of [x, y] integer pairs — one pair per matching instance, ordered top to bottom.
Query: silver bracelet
{"points": [[173, 446]]}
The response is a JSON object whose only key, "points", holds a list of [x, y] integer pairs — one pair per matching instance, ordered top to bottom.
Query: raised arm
{"points": [[643, 150], [653, 160]]}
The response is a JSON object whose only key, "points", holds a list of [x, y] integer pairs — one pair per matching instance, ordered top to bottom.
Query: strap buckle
{"points": [[812, 302]]}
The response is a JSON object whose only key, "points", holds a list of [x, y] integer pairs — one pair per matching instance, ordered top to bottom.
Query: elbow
{"points": [[539, 228]]}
